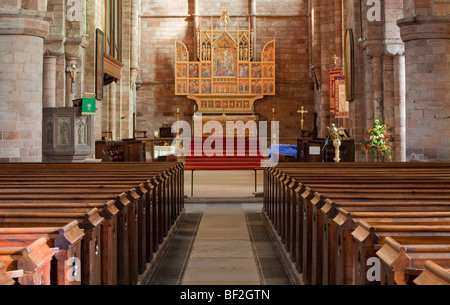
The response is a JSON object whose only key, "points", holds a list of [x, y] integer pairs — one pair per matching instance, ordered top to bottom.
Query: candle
{"points": [[178, 110]]}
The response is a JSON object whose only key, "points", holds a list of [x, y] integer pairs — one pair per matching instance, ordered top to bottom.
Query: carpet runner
{"points": [[241, 158]]}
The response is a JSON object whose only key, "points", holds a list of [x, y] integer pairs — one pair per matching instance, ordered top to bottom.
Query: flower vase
{"points": [[376, 157]]}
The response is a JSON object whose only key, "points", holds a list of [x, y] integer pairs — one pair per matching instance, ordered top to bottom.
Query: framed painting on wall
{"points": [[99, 61], [349, 66]]}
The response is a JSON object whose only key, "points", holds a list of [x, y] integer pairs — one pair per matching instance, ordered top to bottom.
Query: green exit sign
{"points": [[88, 106]]}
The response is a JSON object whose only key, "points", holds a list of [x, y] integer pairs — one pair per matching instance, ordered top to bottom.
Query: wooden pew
{"points": [[138, 195], [168, 212], [277, 213], [89, 221], [336, 221], [109, 225], [127, 230], [335, 233], [370, 236], [65, 240], [33, 258], [403, 259], [340, 263], [433, 275], [5, 277]]}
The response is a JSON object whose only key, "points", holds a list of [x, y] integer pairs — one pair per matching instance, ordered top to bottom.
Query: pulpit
{"points": [[68, 135]]}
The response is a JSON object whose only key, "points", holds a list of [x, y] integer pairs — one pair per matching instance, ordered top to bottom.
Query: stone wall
{"points": [[164, 21], [23, 26], [426, 33]]}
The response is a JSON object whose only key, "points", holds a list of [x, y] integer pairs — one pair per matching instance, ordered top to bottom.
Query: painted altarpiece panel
{"points": [[225, 79]]}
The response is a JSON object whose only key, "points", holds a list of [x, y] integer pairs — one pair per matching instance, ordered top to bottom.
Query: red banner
{"points": [[334, 75]]}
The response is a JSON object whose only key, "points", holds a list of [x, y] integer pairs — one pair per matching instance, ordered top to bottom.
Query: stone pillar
{"points": [[252, 13], [196, 15], [23, 27], [325, 30], [75, 31], [134, 41], [427, 44], [53, 48], [315, 54], [134, 58], [49, 82], [394, 98], [378, 103], [400, 107], [113, 110]]}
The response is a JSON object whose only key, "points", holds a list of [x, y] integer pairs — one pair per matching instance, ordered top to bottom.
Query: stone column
{"points": [[252, 13], [196, 16], [23, 27], [134, 41], [75, 45], [427, 45], [53, 48], [134, 58], [49, 82], [394, 98], [400, 107], [113, 110]]}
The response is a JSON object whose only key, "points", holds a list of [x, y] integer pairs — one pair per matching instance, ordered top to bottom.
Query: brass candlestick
{"points": [[337, 134]]}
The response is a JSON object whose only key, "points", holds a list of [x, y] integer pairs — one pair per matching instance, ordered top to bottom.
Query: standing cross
{"points": [[302, 112]]}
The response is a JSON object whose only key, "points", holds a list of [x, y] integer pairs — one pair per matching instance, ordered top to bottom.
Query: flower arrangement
{"points": [[378, 140]]}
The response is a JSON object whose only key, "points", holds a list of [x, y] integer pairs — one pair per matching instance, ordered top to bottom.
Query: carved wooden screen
{"points": [[225, 79]]}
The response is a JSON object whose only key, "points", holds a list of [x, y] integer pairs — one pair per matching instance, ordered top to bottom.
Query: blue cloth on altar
{"points": [[286, 150]]}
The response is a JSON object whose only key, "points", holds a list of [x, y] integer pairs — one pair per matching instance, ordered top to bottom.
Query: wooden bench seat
{"points": [[295, 196], [140, 206], [153, 206], [122, 212], [315, 216], [90, 222], [337, 224], [329, 230], [368, 237], [65, 239], [338, 243], [34, 258], [403, 259], [433, 275], [5, 277]]}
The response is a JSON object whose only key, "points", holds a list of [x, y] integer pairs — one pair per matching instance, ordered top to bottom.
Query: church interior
{"points": [[232, 142]]}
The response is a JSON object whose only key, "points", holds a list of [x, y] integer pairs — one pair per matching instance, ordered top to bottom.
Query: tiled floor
{"points": [[223, 183], [222, 238], [221, 244]]}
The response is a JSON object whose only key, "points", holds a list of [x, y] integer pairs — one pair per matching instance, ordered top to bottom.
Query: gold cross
{"points": [[335, 59], [302, 112]]}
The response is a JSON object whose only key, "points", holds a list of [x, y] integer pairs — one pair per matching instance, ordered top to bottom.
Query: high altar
{"points": [[225, 80]]}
